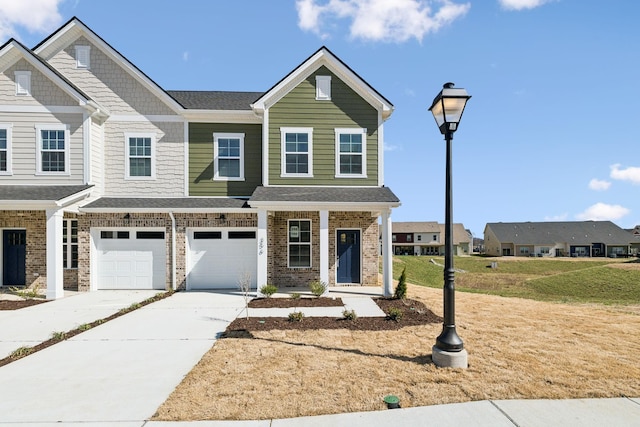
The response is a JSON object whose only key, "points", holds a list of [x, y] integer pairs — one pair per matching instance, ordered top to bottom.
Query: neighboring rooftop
{"points": [[548, 233]]}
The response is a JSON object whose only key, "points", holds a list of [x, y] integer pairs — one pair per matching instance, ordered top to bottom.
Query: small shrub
{"points": [[318, 288], [401, 289], [268, 290], [27, 293], [295, 295], [349, 314], [395, 314], [296, 316], [84, 327], [59, 336], [20, 352]]}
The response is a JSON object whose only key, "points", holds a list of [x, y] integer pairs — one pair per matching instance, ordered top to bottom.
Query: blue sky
{"points": [[548, 134]]}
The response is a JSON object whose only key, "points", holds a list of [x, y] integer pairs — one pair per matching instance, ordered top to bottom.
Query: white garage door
{"points": [[218, 258], [130, 259]]}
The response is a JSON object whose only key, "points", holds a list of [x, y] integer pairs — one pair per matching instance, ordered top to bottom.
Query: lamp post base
{"points": [[449, 359]]}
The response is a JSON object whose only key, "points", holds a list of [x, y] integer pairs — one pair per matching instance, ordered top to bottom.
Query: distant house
{"points": [[427, 238], [552, 239], [635, 245]]}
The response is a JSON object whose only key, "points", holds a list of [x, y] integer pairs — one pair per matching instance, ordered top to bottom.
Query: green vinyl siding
{"points": [[300, 109], [201, 167]]}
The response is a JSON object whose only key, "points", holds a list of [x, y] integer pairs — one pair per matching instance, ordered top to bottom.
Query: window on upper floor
{"points": [[83, 57], [23, 83], [323, 88], [5, 149], [53, 149], [297, 152], [351, 153], [228, 156], [140, 157], [409, 237], [419, 238], [70, 243], [299, 243]]}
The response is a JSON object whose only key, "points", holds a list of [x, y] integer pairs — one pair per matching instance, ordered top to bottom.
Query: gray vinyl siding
{"points": [[346, 109], [201, 181]]}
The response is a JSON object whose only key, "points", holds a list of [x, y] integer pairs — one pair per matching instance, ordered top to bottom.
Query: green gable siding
{"points": [[346, 109], [201, 181]]}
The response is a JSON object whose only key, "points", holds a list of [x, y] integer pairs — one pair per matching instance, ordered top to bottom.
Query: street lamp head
{"points": [[448, 106]]}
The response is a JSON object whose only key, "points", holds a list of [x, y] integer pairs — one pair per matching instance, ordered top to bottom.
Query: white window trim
{"points": [[83, 57], [23, 83], [323, 88], [9, 128], [363, 132], [67, 148], [216, 169], [283, 170], [127, 171], [310, 243], [69, 244]]}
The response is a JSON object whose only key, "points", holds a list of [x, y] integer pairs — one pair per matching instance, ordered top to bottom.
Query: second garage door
{"points": [[217, 258]]}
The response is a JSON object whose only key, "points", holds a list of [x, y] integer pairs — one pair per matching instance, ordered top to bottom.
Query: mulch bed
{"points": [[295, 302], [18, 304], [413, 313]]}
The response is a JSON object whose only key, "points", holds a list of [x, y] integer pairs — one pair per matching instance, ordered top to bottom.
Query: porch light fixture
{"points": [[447, 109]]}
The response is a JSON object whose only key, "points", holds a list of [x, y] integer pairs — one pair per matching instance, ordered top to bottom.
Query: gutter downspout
{"points": [[173, 250]]}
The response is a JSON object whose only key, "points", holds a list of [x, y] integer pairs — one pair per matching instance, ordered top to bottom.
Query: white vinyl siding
{"points": [[53, 147], [5, 149], [297, 152], [351, 153], [228, 156]]}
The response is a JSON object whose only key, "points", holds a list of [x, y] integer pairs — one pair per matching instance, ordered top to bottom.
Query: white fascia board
{"points": [[74, 29], [222, 116], [74, 198], [19, 205], [330, 206]]}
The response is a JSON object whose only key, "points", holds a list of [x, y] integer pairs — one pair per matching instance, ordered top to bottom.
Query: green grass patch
{"points": [[560, 280]]}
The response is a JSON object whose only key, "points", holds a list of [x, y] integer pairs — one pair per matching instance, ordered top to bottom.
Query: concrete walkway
{"points": [[119, 373]]}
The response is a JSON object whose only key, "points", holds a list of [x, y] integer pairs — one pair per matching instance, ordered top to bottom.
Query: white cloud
{"points": [[521, 4], [36, 16], [379, 20], [185, 56], [390, 147], [631, 174], [599, 185], [603, 212], [561, 217]]}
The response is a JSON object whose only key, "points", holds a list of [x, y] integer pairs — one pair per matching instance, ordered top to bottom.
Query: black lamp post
{"points": [[447, 109]]}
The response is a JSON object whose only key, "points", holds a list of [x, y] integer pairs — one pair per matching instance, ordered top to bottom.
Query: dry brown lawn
{"points": [[518, 349]]}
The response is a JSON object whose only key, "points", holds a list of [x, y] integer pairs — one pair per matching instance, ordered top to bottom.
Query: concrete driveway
{"points": [[120, 371]]}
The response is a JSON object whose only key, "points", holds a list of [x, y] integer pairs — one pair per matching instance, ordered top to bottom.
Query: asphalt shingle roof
{"points": [[214, 100], [39, 192], [324, 194], [167, 203], [545, 233]]}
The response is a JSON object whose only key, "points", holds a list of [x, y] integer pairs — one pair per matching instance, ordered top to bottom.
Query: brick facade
{"points": [[35, 224]]}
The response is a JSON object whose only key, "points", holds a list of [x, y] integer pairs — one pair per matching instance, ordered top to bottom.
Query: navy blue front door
{"points": [[14, 244], [348, 248]]}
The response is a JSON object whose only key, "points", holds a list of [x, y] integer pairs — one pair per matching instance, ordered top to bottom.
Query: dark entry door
{"points": [[14, 244], [348, 248]]}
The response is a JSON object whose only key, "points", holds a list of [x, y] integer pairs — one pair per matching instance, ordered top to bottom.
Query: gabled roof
{"points": [[75, 28], [13, 50], [324, 56], [214, 100], [337, 197], [549, 233]]}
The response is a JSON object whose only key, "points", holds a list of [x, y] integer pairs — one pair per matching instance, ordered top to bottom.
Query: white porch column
{"points": [[324, 246], [387, 262], [55, 276], [261, 278]]}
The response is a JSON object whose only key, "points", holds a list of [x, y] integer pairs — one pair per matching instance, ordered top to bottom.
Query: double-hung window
{"points": [[5, 149], [53, 149], [297, 152], [351, 153], [228, 156], [140, 158], [299, 242], [70, 243]]}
